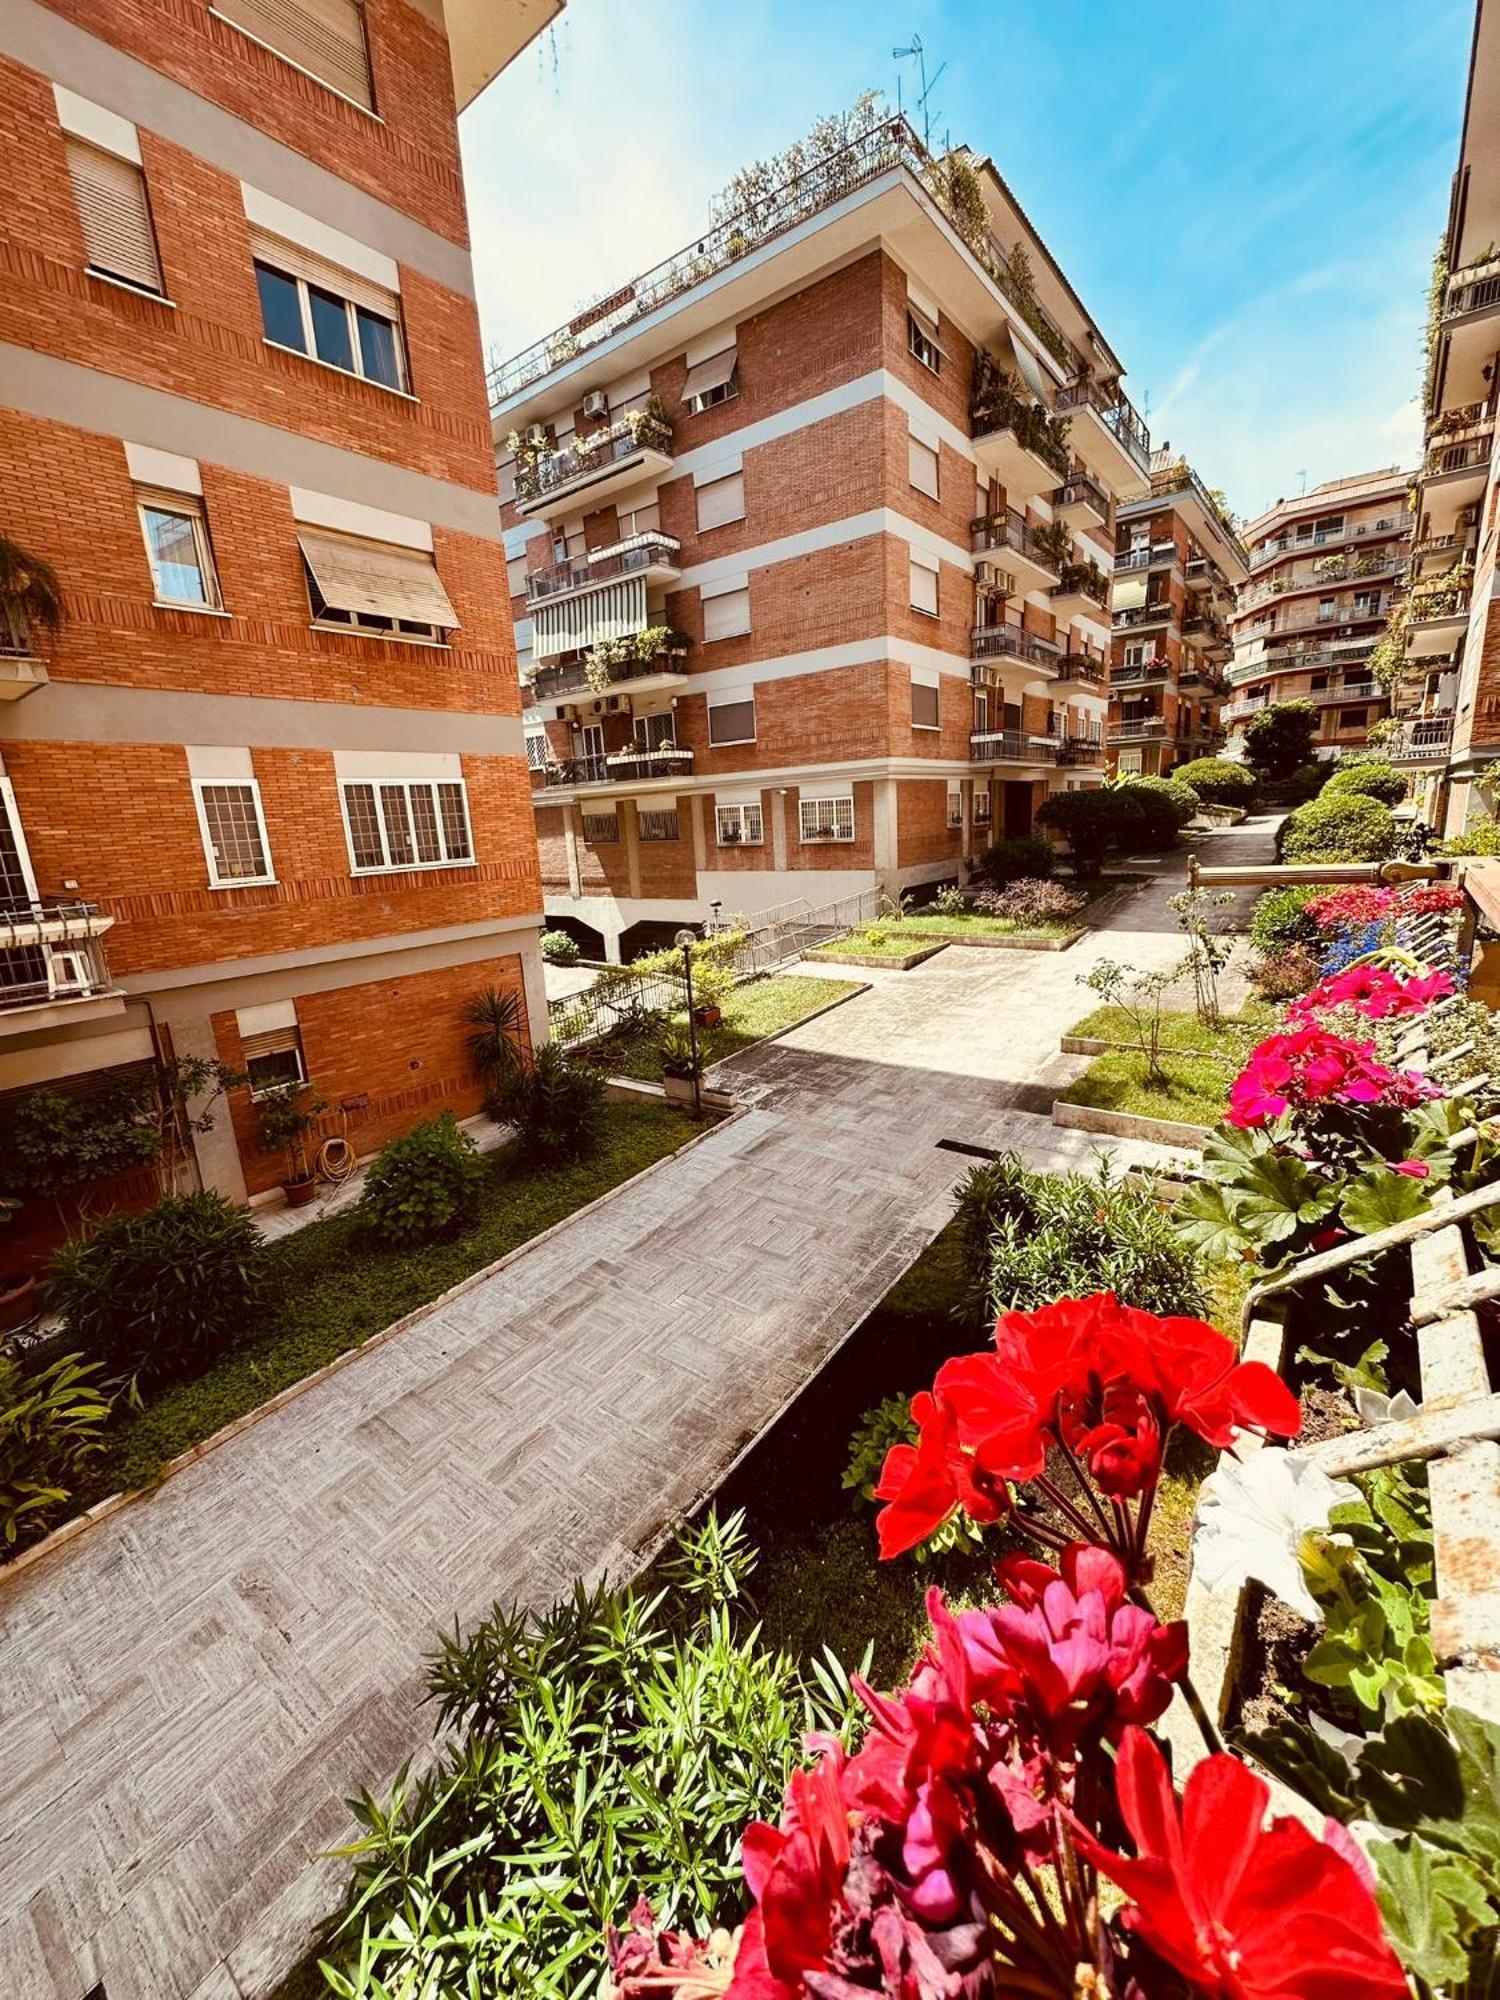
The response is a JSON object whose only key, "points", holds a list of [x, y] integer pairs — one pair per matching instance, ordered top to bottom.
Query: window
{"points": [[326, 38], [118, 237], [338, 317], [922, 339], [713, 381], [922, 466], [505, 472], [721, 501], [644, 520], [177, 547], [515, 576], [924, 585], [375, 587], [726, 616], [1135, 653], [924, 706], [1351, 718], [732, 721], [655, 732], [536, 750], [1130, 760], [955, 805], [981, 805], [826, 819], [396, 823], [657, 825], [739, 826], [600, 828], [234, 833], [273, 1060]]}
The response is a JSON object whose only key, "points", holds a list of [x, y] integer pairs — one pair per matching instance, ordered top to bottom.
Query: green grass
{"points": [[972, 923], [891, 944], [761, 1007], [1232, 1041], [1194, 1093], [332, 1287]]}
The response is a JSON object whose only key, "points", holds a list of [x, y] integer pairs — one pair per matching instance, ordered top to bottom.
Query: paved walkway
{"points": [[189, 1691]]}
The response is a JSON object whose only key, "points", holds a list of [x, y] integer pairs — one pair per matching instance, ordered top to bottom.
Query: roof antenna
{"points": [[920, 54], [1302, 475]]}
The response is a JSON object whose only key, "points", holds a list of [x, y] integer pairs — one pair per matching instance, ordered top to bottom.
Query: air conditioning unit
{"points": [[596, 403], [536, 434]]}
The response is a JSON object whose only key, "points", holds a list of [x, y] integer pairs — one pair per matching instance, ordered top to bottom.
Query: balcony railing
{"points": [[1474, 288], [1005, 407], [1118, 413], [1460, 454], [550, 471], [1080, 489], [1382, 529], [997, 534], [1452, 546], [1157, 557], [629, 558], [1085, 580], [1431, 605], [1144, 614], [1308, 619], [1010, 642], [1083, 663], [1142, 673], [572, 676], [1132, 728], [1424, 736], [1012, 746], [1084, 748], [620, 767], [51, 950]]}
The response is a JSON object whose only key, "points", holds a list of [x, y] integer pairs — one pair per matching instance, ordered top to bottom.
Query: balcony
{"points": [[1107, 434], [1017, 441], [637, 451], [1454, 473], [1081, 502], [1381, 529], [1009, 537], [1446, 549], [651, 557], [1129, 562], [1203, 573], [1082, 590], [1142, 616], [1439, 619], [1001, 655], [1082, 669], [21, 672], [1143, 673], [649, 675], [1197, 677], [1337, 691], [1137, 729], [1426, 739], [1012, 746], [1086, 749], [621, 767], [52, 964]]}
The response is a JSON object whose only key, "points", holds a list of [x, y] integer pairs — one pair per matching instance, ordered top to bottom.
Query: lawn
{"points": [[971, 923], [759, 1008], [1184, 1031], [1194, 1092], [332, 1287]]}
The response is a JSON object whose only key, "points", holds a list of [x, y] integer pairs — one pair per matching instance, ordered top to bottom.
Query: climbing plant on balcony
{"points": [[604, 659]]}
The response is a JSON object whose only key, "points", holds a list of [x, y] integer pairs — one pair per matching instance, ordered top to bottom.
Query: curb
{"points": [[1062, 942], [880, 960], [1128, 1125], [102, 1510]]}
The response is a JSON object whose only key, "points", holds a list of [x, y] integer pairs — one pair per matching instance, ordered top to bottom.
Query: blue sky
{"points": [[1245, 195]]}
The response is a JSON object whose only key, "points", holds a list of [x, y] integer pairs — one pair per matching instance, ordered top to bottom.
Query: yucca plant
{"points": [[496, 1042]]}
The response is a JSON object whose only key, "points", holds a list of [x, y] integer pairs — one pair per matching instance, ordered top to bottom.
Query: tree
{"points": [[1280, 737]]}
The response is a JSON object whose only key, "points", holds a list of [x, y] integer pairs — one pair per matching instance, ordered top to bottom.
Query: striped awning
{"points": [[612, 611]]}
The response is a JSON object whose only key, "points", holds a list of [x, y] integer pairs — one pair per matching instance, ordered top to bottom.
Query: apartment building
{"points": [[809, 532], [1178, 564], [1325, 570], [1449, 696], [263, 798]]}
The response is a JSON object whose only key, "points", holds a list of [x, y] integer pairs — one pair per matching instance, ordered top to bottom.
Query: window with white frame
{"points": [[331, 315], [922, 339], [714, 381], [922, 465], [721, 501], [178, 548], [924, 584], [726, 615], [1135, 653], [925, 712], [731, 720], [1130, 760], [955, 805], [981, 805], [826, 819], [399, 823], [657, 825], [739, 825], [599, 828], [234, 832], [273, 1061]]}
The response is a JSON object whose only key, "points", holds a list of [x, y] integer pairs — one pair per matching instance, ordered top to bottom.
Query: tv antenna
{"points": [[917, 53]]}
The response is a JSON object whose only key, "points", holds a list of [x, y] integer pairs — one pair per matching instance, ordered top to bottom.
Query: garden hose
{"points": [[335, 1161]]}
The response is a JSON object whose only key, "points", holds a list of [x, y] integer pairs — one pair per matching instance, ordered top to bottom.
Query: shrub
{"points": [[1279, 737], [1372, 779], [1216, 781], [1302, 784], [1165, 808], [1132, 816], [1088, 821], [1339, 826], [1480, 836], [1026, 858], [951, 902], [1031, 903], [1281, 917], [559, 948], [1285, 973], [496, 1041], [555, 1105], [423, 1184], [1029, 1238], [163, 1294], [881, 1426], [49, 1428], [610, 1747]]}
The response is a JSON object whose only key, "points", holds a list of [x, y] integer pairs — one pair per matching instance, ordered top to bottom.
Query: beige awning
{"points": [[1031, 372], [710, 374], [378, 579]]}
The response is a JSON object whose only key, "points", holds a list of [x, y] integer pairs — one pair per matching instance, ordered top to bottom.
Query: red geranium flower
{"points": [[1372, 991], [1293, 1071], [923, 1483], [795, 1872], [1242, 1912]]}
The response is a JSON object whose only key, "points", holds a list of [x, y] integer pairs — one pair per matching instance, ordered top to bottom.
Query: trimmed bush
{"points": [[1279, 737], [1372, 779], [1216, 781], [1303, 784], [1164, 807], [1088, 821], [1339, 826], [1480, 836], [1024, 859], [1280, 918], [559, 948], [556, 1106], [424, 1184], [161, 1295], [49, 1428]]}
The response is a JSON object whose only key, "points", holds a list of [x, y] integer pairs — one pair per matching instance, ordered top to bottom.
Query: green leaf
{"points": [[1380, 1198], [1205, 1217], [1311, 1766], [1440, 1782], [1428, 1903]]}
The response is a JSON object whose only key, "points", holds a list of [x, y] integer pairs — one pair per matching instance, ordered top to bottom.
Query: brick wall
{"points": [[922, 831]]}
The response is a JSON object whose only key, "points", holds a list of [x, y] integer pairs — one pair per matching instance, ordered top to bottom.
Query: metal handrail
{"points": [[1119, 414], [550, 471], [991, 534], [619, 559], [1015, 746]]}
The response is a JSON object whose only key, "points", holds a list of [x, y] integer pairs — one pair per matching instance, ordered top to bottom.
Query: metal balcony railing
{"points": [[1474, 288], [1119, 415], [1468, 454], [551, 471], [1078, 487], [1381, 528], [1010, 532], [1156, 557], [626, 558], [1085, 579], [1432, 605], [1144, 614], [1010, 642], [1083, 663], [1141, 673], [572, 676], [1131, 728], [1423, 736], [1012, 746], [1083, 748], [620, 767], [51, 949]]}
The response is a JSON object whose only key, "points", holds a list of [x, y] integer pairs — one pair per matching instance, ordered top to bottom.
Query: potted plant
{"points": [[681, 1065], [285, 1121], [17, 1289]]}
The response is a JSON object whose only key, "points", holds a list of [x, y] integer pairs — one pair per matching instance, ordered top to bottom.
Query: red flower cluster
{"points": [[1429, 899], [1352, 907], [1372, 991], [1306, 1067], [1091, 1378]]}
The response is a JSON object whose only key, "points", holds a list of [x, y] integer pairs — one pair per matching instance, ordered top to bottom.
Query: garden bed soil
{"points": [[888, 960]]}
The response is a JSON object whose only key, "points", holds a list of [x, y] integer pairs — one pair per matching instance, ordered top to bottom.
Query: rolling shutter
{"points": [[324, 37], [116, 217], [328, 277], [274, 1042]]}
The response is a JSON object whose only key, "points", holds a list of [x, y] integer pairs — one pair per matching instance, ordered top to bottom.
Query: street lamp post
{"points": [[687, 940]]}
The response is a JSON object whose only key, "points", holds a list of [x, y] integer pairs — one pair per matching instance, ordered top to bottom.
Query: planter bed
{"points": [[1019, 940], [889, 960], [755, 1012], [1126, 1125]]}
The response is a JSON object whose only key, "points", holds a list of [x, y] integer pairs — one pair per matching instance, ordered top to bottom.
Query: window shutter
{"points": [[324, 37], [116, 217], [328, 277], [721, 501], [726, 616], [732, 721], [274, 1042]]}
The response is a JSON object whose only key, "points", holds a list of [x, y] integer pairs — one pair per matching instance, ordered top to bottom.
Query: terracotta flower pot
{"points": [[708, 1017], [300, 1193]]}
